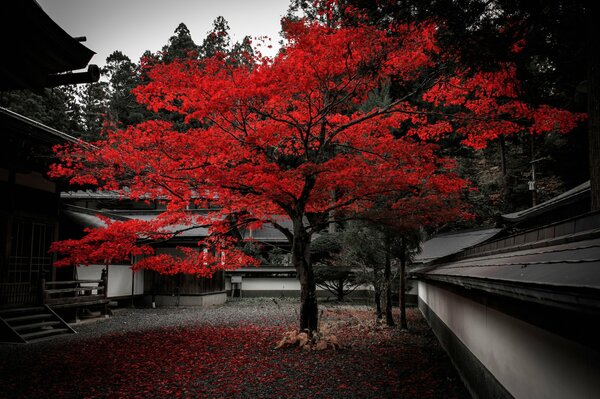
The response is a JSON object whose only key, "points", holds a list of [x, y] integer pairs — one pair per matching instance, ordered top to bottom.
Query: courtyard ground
{"points": [[228, 352]]}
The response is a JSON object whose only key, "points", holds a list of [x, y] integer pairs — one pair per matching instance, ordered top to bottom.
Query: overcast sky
{"points": [[134, 26]]}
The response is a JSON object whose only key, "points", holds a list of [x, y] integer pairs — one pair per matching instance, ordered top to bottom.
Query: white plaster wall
{"points": [[119, 279], [270, 284], [277, 284], [414, 287], [189, 300], [529, 361]]}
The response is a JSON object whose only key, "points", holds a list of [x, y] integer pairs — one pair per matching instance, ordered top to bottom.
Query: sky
{"points": [[134, 26]]}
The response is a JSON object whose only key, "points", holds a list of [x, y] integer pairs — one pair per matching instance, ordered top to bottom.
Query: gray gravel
{"points": [[255, 311], [236, 312], [385, 364]]}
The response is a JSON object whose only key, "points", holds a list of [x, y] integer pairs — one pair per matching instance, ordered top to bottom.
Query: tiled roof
{"points": [[28, 126], [560, 200], [88, 218], [450, 243], [557, 264]]}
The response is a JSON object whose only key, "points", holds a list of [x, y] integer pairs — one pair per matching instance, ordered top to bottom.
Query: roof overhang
{"points": [[38, 51], [28, 128], [27, 144], [566, 199], [443, 245], [556, 265]]}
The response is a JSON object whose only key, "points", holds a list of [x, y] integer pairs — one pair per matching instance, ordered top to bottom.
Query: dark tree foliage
{"points": [[544, 38], [217, 40], [548, 43], [180, 45], [552, 46], [241, 52], [123, 76], [592, 88], [57, 107], [94, 109], [77, 110], [84, 110], [363, 249], [332, 271]]}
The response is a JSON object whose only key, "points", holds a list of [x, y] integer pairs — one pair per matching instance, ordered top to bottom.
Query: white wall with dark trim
{"points": [[119, 279], [528, 361]]}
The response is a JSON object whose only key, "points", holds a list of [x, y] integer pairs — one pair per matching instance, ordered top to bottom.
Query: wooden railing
{"points": [[74, 293], [14, 294]]}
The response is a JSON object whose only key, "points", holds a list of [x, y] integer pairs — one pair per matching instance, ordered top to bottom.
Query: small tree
{"points": [[363, 249], [382, 252], [332, 273], [337, 279]]}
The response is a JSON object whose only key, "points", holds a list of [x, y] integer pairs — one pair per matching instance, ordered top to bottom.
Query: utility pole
{"points": [[532, 186]]}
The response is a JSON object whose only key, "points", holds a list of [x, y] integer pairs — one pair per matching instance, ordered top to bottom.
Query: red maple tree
{"points": [[288, 138]]}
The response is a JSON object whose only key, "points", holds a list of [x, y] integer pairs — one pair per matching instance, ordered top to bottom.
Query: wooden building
{"points": [[39, 54], [29, 207], [81, 210], [272, 279]]}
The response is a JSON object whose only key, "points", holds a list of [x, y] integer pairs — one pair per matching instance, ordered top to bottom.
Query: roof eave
{"points": [[561, 296]]}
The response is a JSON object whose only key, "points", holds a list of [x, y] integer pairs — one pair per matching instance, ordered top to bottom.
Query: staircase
{"points": [[31, 324]]}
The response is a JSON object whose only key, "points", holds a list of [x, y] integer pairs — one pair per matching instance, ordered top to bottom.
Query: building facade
{"points": [[36, 58]]}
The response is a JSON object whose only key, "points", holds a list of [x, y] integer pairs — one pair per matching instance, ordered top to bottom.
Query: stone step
{"points": [[14, 311], [16, 320], [37, 326], [42, 334]]}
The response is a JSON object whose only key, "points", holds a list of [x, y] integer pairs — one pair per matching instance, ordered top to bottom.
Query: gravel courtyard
{"points": [[228, 352]]}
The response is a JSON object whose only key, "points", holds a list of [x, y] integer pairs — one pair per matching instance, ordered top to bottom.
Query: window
{"points": [[28, 262]]}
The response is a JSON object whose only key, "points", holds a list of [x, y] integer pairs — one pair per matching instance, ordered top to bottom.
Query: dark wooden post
{"points": [[403, 260], [387, 273], [104, 283]]}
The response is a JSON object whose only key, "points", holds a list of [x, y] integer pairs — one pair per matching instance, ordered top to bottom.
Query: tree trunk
{"points": [[593, 89], [506, 188], [534, 199], [332, 227], [387, 275], [377, 287], [340, 290], [309, 312], [403, 323]]}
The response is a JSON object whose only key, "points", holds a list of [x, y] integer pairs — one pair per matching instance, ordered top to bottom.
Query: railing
{"points": [[74, 293], [12, 294]]}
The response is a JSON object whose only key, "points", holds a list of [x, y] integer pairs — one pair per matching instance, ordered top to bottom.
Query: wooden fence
{"points": [[58, 294]]}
